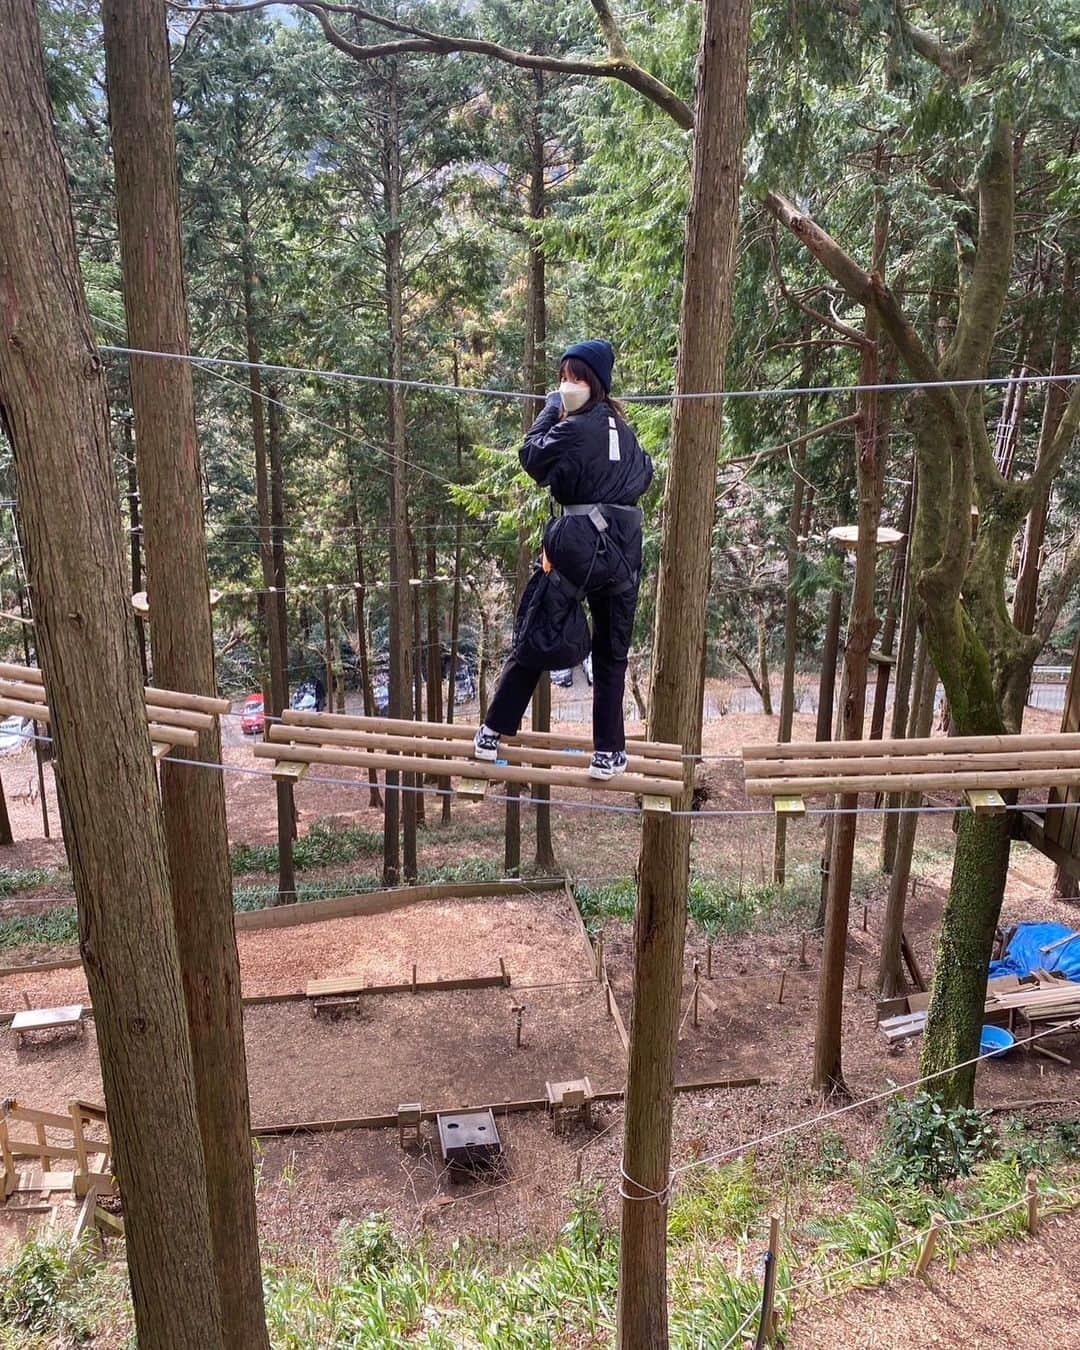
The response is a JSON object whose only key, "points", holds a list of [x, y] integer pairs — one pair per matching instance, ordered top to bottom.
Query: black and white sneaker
{"points": [[486, 745], [607, 763]]}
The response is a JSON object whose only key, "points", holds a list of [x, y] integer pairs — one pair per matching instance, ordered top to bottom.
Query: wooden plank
{"points": [[27, 674], [28, 693], [171, 698], [34, 712], [180, 717], [458, 731], [174, 736], [916, 745], [445, 749], [855, 765], [289, 773], [499, 773], [910, 782], [653, 803], [985, 803], [789, 806], [381, 902], [908, 953], [39, 967], [351, 984], [47, 1019], [35, 1117], [24, 1149], [44, 1181], [86, 1214]]}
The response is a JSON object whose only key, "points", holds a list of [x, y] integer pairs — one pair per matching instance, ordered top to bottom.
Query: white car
{"points": [[15, 734]]}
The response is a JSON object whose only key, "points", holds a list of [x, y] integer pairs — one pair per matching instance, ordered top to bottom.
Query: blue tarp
{"points": [[1023, 954]]}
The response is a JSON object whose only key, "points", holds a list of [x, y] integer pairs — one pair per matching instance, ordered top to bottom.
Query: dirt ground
{"points": [[1021, 1294]]}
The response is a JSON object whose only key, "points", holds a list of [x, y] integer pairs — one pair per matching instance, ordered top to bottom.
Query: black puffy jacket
{"points": [[572, 457], [575, 459]]}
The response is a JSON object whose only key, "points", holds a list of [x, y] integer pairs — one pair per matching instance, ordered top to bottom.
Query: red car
{"points": [[252, 716]]}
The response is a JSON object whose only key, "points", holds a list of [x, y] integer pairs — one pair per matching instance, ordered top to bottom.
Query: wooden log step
{"points": [[456, 731], [917, 745], [444, 749], [912, 764], [469, 768], [911, 782]]}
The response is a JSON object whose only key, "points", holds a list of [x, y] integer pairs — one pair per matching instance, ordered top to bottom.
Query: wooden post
{"points": [[865, 917], [802, 949], [600, 956], [708, 959], [414, 977], [858, 977], [697, 988], [780, 991], [607, 992], [519, 1009], [81, 1166], [10, 1178], [1032, 1186], [929, 1243], [768, 1288]]}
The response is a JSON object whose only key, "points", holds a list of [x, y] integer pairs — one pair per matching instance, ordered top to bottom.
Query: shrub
{"points": [[926, 1144]]}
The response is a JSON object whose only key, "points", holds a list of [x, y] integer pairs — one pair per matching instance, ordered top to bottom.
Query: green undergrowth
{"points": [[322, 846], [19, 880], [717, 906], [839, 1211]]}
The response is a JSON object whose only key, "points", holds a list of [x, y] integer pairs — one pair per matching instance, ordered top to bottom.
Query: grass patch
{"points": [[323, 846], [18, 880], [716, 906], [55, 928]]}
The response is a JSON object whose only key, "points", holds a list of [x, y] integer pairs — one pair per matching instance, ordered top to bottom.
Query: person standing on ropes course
{"points": [[582, 448]]}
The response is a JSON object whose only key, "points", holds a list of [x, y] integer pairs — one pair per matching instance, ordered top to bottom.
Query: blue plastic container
{"points": [[995, 1041]]}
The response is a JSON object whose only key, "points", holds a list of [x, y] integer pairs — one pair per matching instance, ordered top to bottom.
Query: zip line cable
{"points": [[672, 397]]}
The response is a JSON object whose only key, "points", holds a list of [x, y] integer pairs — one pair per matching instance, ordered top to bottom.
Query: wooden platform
{"points": [[174, 719], [979, 768], [655, 772], [47, 1019]]}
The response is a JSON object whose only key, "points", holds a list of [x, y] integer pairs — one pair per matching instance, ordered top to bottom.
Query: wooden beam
{"points": [[170, 698], [457, 731], [917, 745], [444, 749], [872, 764], [469, 768], [285, 772], [911, 782], [985, 803], [789, 806], [1033, 831], [334, 985]]}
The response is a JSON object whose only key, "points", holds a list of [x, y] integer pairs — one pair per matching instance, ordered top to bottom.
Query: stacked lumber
{"points": [[174, 719], [979, 767], [655, 772], [1047, 998]]}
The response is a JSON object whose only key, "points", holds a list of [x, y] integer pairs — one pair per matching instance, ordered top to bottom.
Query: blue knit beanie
{"points": [[598, 354]]}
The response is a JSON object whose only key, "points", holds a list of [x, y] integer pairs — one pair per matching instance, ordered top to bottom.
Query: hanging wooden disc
{"points": [[848, 536]]}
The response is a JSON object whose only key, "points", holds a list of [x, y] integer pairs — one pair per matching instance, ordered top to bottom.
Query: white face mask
{"points": [[573, 395]]}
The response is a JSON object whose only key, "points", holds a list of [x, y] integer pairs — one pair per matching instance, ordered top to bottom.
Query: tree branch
{"points": [[977, 54], [618, 66], [984, 296], [850, 334], [1049, 463], [1055, 601]]}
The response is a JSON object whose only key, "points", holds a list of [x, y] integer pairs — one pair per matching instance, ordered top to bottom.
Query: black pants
{"points": [[612, 627]]}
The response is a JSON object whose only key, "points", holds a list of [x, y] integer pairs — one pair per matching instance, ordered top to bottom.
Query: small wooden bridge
{"points": [[174, 719], [979, 768], [655, 772]]}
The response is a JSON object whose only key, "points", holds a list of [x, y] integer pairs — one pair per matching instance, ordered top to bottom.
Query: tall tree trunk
{"points": [[54, 410], [170, 484], [135, 524], [1027, 582], [896, 588], [274, 598], [455, 603], [791, 604], [278, 615], [434, 648], [830, 649], [763, 664], [418, 678], [678, 684], [902, 685], [367, 691], [400, 806], [892, 933], [828, 1072]]}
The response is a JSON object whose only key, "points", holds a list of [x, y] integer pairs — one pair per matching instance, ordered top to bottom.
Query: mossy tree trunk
{"points": [[982, 658]]}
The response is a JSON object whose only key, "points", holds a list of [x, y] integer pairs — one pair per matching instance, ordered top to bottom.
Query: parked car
{"points": [[586, 666], [562, 679], [464, 684], [380, 688], [309, 696], [253, 716], [15, 733]]}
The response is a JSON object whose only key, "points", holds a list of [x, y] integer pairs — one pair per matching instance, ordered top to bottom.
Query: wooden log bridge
{"points": [[174, 719], [978, 767], [656, 773]]}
